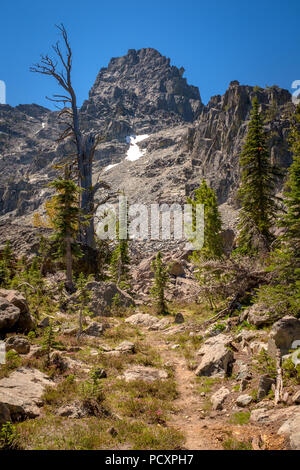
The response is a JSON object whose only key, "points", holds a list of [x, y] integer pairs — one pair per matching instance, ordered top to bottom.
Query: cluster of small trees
{"points": [[261, 211]]}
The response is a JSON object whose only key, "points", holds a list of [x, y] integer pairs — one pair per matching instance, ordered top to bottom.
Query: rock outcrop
{"points": [[14, 314], [216, 357], [21, 392]]}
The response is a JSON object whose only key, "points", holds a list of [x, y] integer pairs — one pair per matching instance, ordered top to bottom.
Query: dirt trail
{"points": [[198, 432]]}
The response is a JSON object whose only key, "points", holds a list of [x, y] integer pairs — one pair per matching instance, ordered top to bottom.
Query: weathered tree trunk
{"points": [[85, 145], [85, 166]]}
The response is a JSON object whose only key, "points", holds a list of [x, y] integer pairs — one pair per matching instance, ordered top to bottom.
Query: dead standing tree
{"points": [[60, 69]]}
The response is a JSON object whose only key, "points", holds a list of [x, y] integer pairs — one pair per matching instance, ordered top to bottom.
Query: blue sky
{"points": [[255, 42]]}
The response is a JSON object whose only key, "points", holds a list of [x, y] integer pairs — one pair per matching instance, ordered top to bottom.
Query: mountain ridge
{"points": [[140, 93]]}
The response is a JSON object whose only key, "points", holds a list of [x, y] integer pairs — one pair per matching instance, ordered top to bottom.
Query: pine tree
{"points": [[256, 193], [291, 221], [66, 223], [213, 245], [120, 261], [6, 269], [160, 283], [283, 293], [84, 296], [48, 343]]}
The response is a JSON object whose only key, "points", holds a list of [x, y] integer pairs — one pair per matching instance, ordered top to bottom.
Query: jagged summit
{"points": [[143, 85]]}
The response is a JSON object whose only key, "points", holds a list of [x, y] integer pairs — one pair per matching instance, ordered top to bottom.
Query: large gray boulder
{"points": [[105, 295], [16, 298], [14, 313], [9, 315], [257, 315], [147, 321], [95, 329], [282, 335], [18, 343], [216, 357], [147, 374], [21, 393], [219, 397], [244, 400], [288, 418], [291, 429]]}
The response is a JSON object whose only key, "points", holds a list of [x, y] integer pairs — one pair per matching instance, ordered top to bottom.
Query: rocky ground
{"points": [[138, 381]]}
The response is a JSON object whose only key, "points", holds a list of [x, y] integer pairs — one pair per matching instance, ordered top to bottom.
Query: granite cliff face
{"points": [[179, 140]]}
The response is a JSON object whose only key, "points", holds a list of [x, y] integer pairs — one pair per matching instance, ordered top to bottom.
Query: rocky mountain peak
{"points": [[143, 85]]}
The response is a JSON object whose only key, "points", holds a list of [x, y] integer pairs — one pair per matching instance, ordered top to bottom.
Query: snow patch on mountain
{"points": [[134, 152], [108, 167]]}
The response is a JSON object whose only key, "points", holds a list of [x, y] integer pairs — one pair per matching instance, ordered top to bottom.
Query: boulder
{"points": [[177, 268], [104, 295], [16, 298], [14, 314], [9, 315], [258, 315], [179, 318], [148, 321], [44, 323], [95, 329], [174, 330], [282, 335], [20, 344], [126, 346], [257, 346], [216, 357], [243, 371], [100, 373], [147, 374], [264, 386], [21, 392], [218, 398], [244, 400], [81, 409], [74, 411], [4, 414], [267, 416], [287, 417], [291, 429]]}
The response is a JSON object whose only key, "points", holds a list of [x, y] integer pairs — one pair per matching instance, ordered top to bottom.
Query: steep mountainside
{"points": [[179, 140]]}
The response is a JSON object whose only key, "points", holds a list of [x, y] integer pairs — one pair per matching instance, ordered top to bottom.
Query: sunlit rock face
{"points": [[160, 140]]}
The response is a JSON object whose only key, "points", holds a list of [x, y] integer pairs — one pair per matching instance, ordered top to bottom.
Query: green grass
{"points": [[206, 384], [241, 417], [56, 433], [234, 444]]}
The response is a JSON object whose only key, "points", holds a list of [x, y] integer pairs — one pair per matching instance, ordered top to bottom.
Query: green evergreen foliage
{"points": [[256, 193], [66, 216], [291, 220], [66, 222], [213, 245], [120, 262], [6, 265], [160, 283], [283, 294], [84, 296], [48, 343]]}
